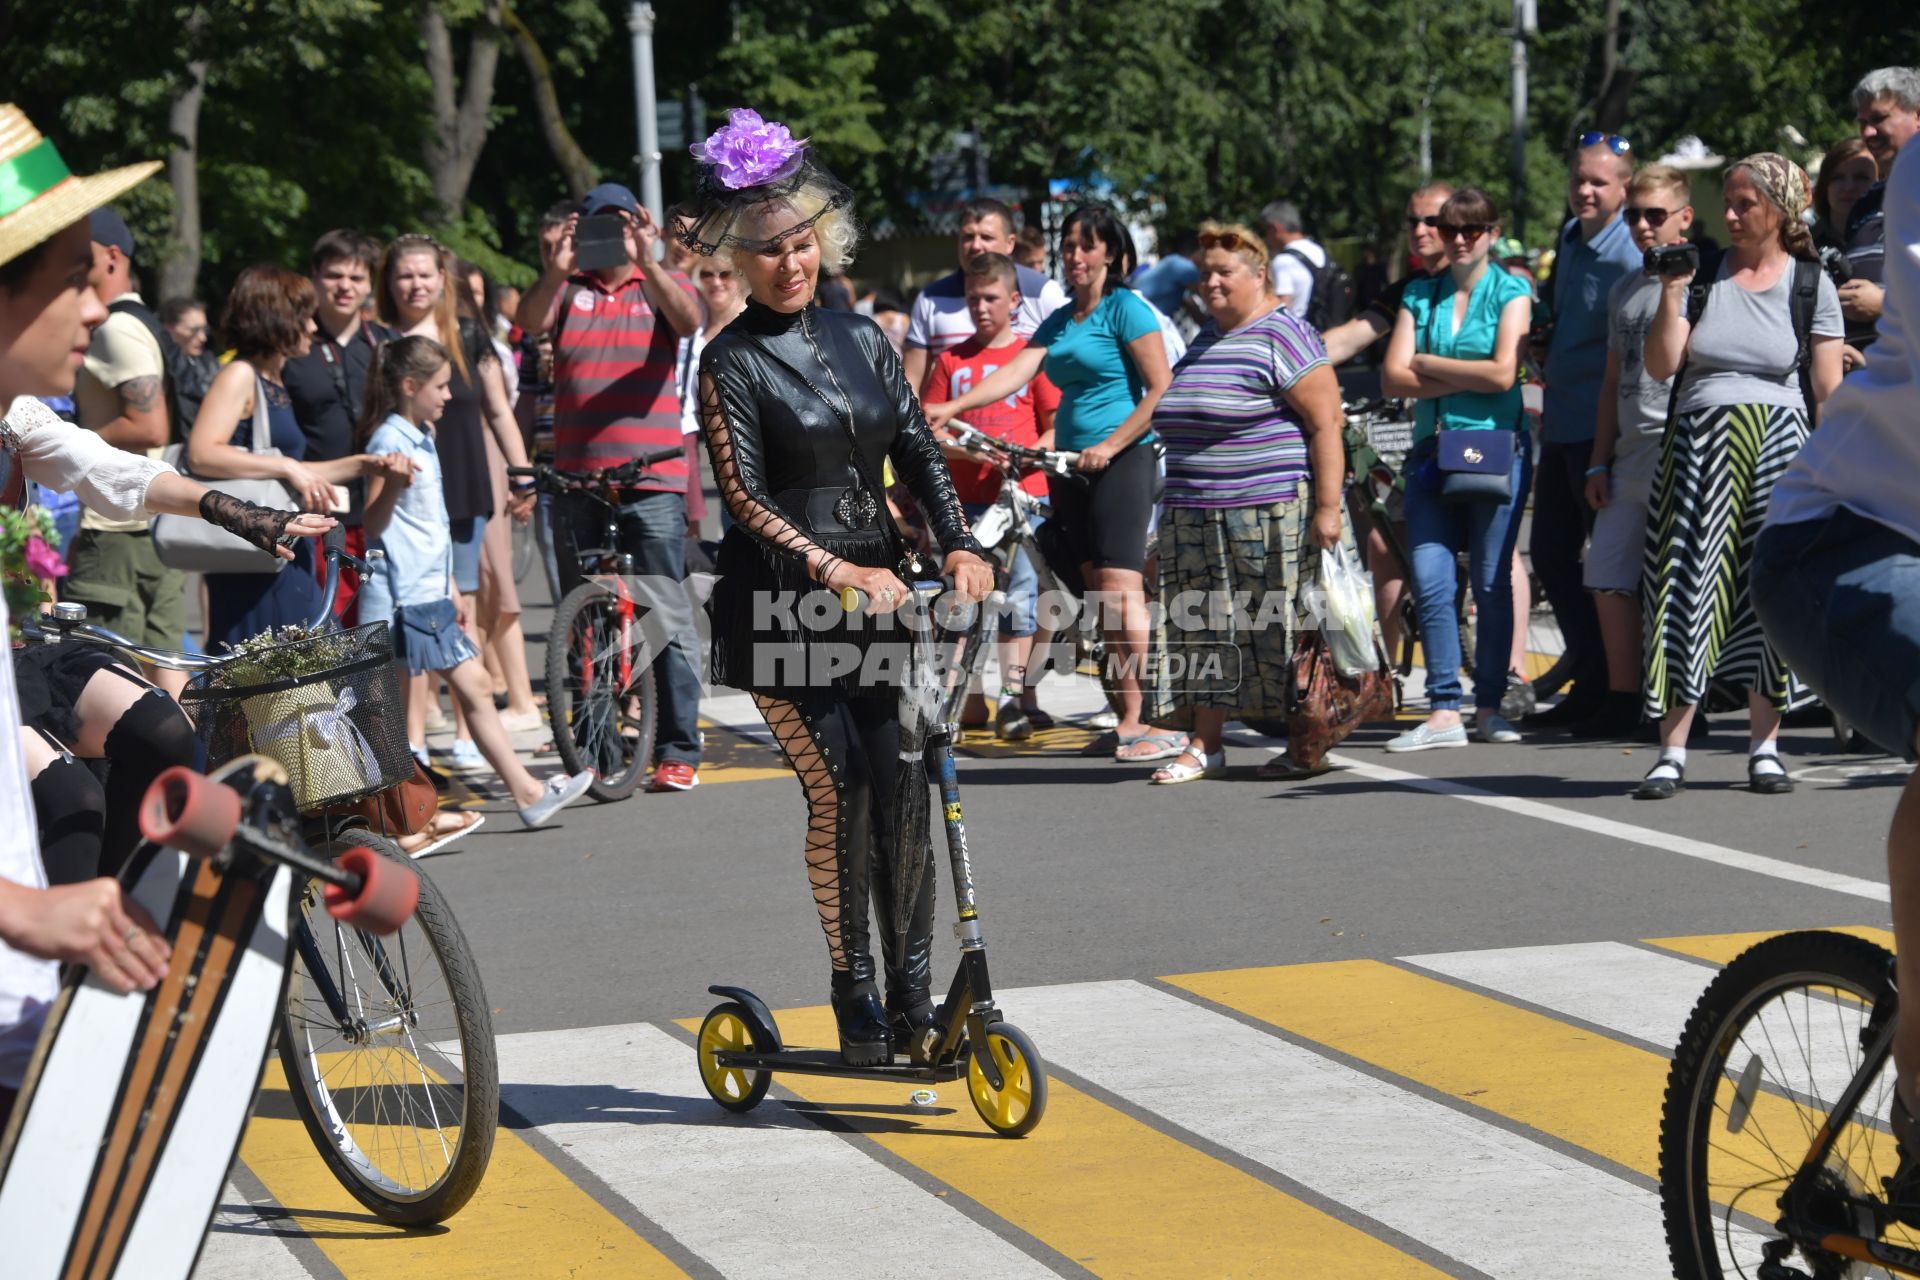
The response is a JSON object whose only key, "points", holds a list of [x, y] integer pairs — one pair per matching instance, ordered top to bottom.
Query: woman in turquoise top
{"points": [[1456, 351], [1106, 355]]}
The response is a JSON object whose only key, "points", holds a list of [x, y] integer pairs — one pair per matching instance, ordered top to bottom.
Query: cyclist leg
{"points": [[653, 530], [1839, 600], [69, 806]]}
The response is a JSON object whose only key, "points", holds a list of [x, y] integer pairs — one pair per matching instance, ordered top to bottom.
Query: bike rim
{"points": [[597, 712], [1782, 1060], [389, 1086]]}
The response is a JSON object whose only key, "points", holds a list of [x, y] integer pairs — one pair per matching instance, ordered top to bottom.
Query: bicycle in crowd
{"points": [[600, 685], [387, 1042], [1776, 1159]]}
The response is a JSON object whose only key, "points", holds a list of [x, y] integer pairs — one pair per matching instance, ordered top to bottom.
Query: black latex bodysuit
{"points": [[769, 387]]}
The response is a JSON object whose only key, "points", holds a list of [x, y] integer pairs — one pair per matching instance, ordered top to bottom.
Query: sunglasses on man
{"points": [[1615, 143], [1417, 220]]}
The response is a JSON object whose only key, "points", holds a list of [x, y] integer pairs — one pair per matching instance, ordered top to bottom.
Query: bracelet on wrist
{"points": [[1599, 470]]}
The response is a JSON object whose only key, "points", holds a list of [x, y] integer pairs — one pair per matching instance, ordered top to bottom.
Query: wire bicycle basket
{"points": [[327, 707]]}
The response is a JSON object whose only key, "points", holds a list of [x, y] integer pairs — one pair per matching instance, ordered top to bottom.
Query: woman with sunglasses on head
{"points": [[1456, 350], [1106, 355], [1742, 406], [801, 408]]}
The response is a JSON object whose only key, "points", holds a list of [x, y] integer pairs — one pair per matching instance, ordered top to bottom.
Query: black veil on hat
{"points": [[753, 164]]}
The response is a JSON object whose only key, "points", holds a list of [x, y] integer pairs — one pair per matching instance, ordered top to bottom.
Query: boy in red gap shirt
{"points": [[993, 295]]}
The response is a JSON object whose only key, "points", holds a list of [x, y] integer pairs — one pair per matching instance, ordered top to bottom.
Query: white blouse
{"points": [[70, 459]]}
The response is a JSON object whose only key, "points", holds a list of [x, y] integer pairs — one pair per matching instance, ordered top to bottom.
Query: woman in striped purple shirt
{"points": [[1255, 475]]}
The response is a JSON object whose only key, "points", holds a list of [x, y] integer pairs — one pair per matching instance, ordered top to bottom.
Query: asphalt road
{"points": [[1283, 1010]]}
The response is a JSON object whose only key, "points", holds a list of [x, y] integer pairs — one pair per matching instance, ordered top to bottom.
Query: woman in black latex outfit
{"points": [[801, 408]]}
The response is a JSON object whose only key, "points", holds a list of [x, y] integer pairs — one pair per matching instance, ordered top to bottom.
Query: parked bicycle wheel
{"points": [[600, 697], [1770, 1047], [388, 1049]]}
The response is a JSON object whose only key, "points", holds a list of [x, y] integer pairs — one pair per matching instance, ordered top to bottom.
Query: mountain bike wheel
{"points": [[600, 724], [1772, 1043], [398, 1084]]}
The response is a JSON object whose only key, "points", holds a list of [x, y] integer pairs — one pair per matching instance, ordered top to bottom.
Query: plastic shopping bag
{"points": [[1346, 612]]}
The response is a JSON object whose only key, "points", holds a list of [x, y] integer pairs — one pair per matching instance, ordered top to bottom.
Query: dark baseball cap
{"points": [[609, 195], [110, 229]]}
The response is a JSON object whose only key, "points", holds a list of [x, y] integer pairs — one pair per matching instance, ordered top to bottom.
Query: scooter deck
{"points": [[827, 1062], [132, 1111]]}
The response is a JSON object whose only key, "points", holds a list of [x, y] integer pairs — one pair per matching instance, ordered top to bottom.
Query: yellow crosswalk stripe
{"points": [[733, 757], [1721, 948], [1564, 1080], [1113, 1194], [528, 1219]]}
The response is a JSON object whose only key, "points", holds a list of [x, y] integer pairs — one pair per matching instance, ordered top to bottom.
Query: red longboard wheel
{"points": [[187, 811], [388, 893]]}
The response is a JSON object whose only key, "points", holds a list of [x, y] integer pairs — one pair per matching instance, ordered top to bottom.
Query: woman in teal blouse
{"points": [[1456, 350], [1106, 355]]}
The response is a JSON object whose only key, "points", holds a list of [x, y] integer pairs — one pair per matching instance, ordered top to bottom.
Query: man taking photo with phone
{"points": [[615, 315]]}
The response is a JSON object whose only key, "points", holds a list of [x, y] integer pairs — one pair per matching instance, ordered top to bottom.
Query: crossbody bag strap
{"points": [[1697, 295], [1806, 295]]}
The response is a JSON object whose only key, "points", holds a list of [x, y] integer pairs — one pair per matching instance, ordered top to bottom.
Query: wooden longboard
{"points": [[132, 1110]]}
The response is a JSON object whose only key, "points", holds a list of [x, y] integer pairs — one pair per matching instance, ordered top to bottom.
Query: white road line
{"points": [[1738, 859], [1609, 984], [1469, 1189], [764, 1194], [241, 1246]]}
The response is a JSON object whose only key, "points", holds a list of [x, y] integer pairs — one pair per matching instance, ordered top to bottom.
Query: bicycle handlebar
{"points": [[972, 440], [546, 476]]}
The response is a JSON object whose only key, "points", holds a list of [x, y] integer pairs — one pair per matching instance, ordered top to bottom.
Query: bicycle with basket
{"points": [[386, 1041]]}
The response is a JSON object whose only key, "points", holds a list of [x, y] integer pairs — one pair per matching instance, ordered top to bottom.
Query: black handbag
{"points": [[1476, 466]]}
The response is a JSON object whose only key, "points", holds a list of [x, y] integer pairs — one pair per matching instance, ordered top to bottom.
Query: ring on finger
{"points": [[133, 931]]}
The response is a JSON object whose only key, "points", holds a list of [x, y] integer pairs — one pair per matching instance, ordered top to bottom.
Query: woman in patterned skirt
{"points": [[1742, 406], [1255, 474]]}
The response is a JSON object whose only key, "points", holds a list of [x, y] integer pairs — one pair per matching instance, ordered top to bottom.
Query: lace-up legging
{"points": [[846, 751]]}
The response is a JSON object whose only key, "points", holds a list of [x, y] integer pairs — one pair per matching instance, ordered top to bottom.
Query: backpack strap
{"points": [[1697, 295], [1805, 297], [169, 392]]}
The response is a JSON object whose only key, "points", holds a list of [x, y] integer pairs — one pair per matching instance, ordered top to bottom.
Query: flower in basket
{"points": [[22, 570], [285, 653]]}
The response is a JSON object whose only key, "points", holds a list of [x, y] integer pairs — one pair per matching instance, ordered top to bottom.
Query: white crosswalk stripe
{"points": [[1472, 1191], [764, 1194]]}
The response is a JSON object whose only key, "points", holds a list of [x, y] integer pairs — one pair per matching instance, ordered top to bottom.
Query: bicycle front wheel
{"points": [[600, 695], [1772, 1044], [388, 1049]]}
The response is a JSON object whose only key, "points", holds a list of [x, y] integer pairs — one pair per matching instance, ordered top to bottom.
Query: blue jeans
{"points": [[653, 530], [1438, 531], [1839, 599]]}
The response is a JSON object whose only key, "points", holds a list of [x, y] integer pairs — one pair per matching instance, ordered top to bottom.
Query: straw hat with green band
{"points": [[38, 196]]}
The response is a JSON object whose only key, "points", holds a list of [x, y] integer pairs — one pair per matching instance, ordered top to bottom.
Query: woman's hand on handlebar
{"points": [[1095, 458], [972, 576], [881, 589], [93, 923]]}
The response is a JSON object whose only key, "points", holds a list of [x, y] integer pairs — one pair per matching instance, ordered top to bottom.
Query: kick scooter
{"points": [[740, 1046]]}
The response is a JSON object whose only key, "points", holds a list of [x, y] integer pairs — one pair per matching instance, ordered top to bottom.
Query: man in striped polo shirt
{"points": [[614, 331]]}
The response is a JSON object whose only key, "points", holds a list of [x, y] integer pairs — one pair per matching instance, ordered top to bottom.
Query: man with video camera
{"points": [[615, 315]]}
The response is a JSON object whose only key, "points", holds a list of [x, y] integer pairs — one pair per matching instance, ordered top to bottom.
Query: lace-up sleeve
{"points": [[731, 424], [916, 455]]}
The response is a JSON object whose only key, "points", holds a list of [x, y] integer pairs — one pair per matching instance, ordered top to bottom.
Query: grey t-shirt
{"points": [[1742, 351], [1643, 402]]}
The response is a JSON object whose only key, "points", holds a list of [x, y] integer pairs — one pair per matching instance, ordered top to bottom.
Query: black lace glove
{"points": [[263, 527]]}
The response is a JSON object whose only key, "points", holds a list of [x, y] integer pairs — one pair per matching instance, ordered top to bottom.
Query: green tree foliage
{"points": [[317, 110]]}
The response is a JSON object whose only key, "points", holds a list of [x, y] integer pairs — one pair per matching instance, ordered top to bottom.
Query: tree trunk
{"points": [[1616, 82], [460, 113], [579, 171], [180, 264]]}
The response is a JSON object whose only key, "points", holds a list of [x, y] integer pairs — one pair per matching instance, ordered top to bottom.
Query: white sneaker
{"points": [[1491, 726], [464, 756], [560, 792]]}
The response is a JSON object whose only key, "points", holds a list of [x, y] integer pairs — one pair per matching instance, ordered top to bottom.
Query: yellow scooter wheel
{"points": [[728, 1029], [1013, 1109]]}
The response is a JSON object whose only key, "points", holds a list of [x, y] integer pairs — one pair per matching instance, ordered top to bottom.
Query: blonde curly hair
{"points": [[837, 229]]}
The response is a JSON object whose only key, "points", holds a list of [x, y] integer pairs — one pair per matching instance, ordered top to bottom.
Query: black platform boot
{"points": [[909, 963], [866, 1039]]}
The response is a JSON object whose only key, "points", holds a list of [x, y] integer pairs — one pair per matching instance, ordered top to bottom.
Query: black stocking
{"points": [[152, 735], [70, 806]]}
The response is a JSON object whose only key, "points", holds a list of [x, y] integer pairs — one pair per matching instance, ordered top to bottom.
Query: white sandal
{"points": [[1208, 766]]}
